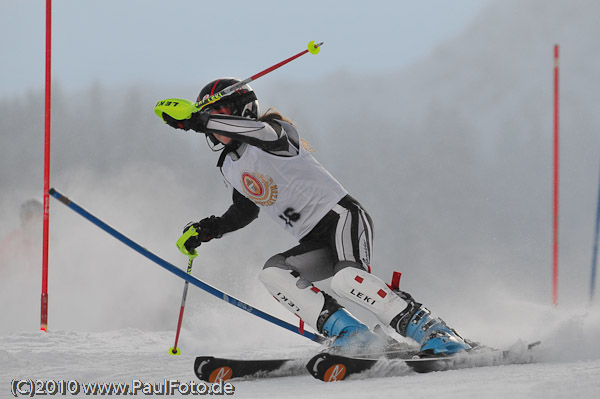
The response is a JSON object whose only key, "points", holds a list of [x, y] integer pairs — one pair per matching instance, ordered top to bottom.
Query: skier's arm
{"points": [[264, 135], [268, 136], [240, 214]]}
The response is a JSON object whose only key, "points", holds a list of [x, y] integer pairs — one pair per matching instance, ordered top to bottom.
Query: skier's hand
{"points": [[197, 121], [208, 228], [195, 234], [185, 247]]}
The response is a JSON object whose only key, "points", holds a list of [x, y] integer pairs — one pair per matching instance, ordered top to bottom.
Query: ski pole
{"points": [[313, 48], [181, 109], [180, 273], [174, 350]]}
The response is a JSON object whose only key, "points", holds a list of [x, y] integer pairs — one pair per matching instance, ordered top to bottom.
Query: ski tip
{"points": [[328, 367], [211, 369], [336, 372], [222, 373]]}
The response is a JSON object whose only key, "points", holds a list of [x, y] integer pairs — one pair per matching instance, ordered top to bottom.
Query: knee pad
{"points": [[368, 291], [296, 294]]}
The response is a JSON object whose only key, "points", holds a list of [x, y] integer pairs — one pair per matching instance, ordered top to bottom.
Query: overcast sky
{"points": [[126, 42]]}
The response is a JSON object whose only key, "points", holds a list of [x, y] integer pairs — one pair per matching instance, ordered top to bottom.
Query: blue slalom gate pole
{"points": [[595, 251], [182, 274]]}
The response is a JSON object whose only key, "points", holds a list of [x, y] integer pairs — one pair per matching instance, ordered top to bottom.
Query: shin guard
{"points": [[368, 291]]}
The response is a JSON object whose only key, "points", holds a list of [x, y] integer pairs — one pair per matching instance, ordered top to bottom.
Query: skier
{"points": [[268, 167]]}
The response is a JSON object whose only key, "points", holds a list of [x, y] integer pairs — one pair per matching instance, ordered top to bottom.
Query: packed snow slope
{"points": [[452, 157], [127, 355]]}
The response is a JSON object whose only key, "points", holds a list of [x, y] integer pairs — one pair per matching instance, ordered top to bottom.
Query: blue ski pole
{"points": [[181, 274]]}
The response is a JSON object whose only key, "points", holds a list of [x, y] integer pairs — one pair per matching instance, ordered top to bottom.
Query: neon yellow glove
{"points": [[181, 114], [187, 234]]}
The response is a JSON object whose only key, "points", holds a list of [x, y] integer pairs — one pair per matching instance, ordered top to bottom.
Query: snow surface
{"points": [[130, 354]]}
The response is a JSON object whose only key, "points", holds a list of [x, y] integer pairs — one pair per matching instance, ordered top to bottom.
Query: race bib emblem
{"points": [[259, 188]]}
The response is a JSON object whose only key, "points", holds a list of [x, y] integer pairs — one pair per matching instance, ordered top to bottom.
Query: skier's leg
{"points": [[352, 236], [351, 242], [318, 309], [398, 309]]}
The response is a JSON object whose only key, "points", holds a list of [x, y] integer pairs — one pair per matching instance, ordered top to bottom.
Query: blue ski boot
{"points": [[350, 335], [434, 336]]}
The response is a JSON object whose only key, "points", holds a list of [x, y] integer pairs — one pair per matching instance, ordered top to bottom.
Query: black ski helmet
{"points": [[243, 101]]}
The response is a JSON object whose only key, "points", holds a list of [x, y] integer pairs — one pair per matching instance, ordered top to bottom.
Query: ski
{"points": [[477, 357], [330, 367], [214, 369]]}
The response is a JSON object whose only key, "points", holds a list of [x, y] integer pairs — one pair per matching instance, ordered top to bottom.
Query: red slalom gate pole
{"points": [[555, 205], [44, 302]]}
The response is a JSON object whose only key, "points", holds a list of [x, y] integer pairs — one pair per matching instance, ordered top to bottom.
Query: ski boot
{"points": [[399, 310], [350, 336], [434, 336]]}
